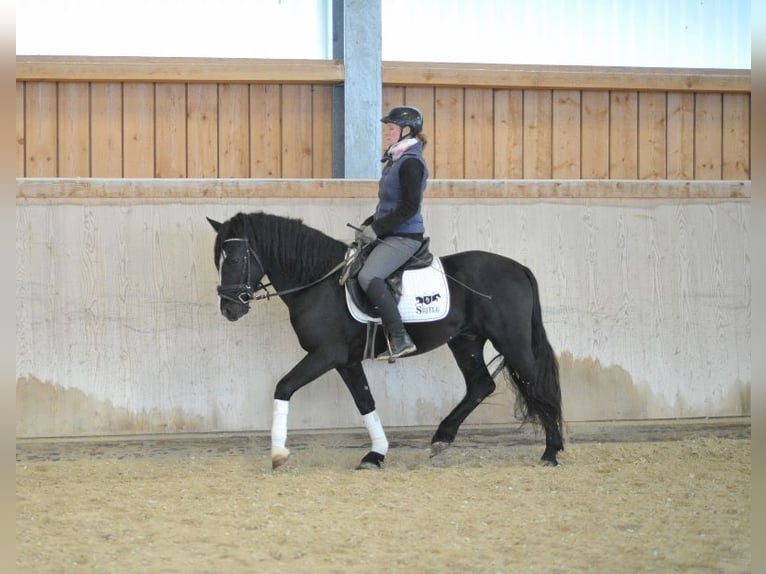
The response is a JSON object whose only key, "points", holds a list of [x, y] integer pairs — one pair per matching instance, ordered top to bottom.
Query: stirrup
{"points": [[389, 355]]}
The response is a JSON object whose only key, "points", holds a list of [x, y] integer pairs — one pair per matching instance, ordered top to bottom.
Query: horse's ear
{"points": [[214, 224]]}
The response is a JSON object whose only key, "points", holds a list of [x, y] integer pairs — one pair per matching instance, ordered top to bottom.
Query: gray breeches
{"points": [[387, 256]]}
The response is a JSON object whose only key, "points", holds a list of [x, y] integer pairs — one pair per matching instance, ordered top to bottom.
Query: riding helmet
{"points": [[405, 116]]}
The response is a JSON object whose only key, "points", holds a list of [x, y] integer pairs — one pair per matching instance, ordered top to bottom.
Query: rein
{"points": [[244, 292], [267, 295]]}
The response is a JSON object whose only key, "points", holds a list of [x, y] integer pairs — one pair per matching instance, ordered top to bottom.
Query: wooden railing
{"points": [[122, 191]]}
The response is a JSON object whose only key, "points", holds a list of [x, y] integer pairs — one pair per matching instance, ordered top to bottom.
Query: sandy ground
{"points": [[627, 498]]}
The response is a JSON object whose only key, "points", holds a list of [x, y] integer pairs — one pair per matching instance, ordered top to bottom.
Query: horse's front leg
{"points": [[311, 367], [356, 381]]}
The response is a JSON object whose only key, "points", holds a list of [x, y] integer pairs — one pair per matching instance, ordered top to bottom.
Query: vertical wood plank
{"points": [[392, 96], [423, 99], [74, 129], [106, 129], [138, 130], [170, 130], [202, 130], [234, 130], [265, 130], [448, 130], [652, 130], [296, 131], [322, 131], [508, 134], [538, 134], [566, 134], [595, 135], [736, 136], [41, 137], [479, 139], [623, 140], [20, 144], [680, 144], [708, 144]]}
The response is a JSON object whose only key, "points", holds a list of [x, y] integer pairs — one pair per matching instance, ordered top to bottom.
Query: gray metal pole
{"points": [[363, 93], [338, 115]]}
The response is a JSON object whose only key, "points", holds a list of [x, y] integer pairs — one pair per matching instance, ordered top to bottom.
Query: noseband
{"points": [[242, 292]]}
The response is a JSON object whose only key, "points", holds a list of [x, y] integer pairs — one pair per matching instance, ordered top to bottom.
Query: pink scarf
{"points": [[396, 150]]}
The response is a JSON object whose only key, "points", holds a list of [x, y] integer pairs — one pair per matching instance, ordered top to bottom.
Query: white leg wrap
{"points": [[279, 429], [377, 435]]}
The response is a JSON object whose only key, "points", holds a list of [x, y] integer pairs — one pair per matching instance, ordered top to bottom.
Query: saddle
{"points": [[355, 258]]}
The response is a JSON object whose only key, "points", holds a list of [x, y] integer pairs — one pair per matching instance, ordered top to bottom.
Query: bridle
{"points": [[244, 292]]}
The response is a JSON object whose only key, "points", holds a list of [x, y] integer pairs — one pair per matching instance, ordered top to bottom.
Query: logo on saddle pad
{"points": [[425, 296], [424, 302]]}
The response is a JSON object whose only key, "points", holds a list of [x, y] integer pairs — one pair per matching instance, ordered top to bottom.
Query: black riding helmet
{"points": [[405, 116]]}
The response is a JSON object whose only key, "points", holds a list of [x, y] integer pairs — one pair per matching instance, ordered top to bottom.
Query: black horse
{"points": [[493, 298]]}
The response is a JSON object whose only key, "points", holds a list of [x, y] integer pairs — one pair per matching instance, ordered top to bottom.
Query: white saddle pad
{"points": [[425, 296]]}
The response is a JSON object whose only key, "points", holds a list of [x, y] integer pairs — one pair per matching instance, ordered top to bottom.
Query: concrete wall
{"points": [[646, 302]]}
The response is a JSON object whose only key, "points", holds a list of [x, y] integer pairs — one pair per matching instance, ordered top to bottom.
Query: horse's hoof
{"points": [[439, 447], [549, 456], [279, 457], [371, 461], [278, 462]]}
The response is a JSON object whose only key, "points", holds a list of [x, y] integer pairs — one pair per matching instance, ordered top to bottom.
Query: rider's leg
{"points": [[387, 256], [380, 296]]}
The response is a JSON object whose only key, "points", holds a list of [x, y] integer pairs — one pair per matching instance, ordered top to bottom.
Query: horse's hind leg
{"points": [[469, 354], [536, 380], [545, 411]]}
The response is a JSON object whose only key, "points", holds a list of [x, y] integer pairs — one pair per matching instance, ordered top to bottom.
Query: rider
{"points": [[396, 228]]}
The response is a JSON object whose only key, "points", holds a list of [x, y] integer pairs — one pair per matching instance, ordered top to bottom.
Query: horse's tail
{"points": [[541, 396]]}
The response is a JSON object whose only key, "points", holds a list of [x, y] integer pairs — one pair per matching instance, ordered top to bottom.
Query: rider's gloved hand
{"points": [[366, 235]]}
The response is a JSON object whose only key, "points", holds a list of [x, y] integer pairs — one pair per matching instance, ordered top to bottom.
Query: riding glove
{"points": [[366, 234]]}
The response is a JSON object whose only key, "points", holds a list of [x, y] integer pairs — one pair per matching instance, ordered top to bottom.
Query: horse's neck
{"points": [[287, 268], [283, 272], [281, 275], [281, 280]]}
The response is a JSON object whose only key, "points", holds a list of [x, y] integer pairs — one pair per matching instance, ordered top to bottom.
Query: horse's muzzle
{"points": [[235, 301], [233, 311]]}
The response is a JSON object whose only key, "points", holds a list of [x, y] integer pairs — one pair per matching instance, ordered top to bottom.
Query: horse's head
{"points": [[239, 269]]}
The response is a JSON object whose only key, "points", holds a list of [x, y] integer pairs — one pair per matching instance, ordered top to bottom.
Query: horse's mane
{"points": [[287, 242]]}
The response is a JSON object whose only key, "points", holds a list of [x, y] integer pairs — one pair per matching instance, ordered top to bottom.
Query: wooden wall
{"points": [[190, 118], [172, 130], [491, 133]]}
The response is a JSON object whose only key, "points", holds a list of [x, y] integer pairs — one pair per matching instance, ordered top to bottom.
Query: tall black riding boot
{"points": [[399, 341]]}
